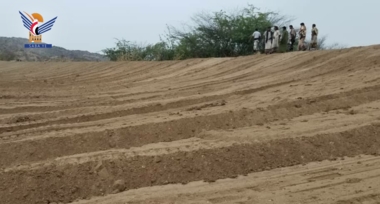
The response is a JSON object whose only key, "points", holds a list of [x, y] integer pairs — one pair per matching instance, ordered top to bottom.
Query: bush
{"points": [[216, 34], [128, 51], [7, 56]]}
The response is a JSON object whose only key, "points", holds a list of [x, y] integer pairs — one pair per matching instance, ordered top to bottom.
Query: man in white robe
{"points": [[268, 39], [276, 39]]}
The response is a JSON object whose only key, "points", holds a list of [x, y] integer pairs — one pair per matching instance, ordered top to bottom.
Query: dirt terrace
{"points": [[299, 127]]}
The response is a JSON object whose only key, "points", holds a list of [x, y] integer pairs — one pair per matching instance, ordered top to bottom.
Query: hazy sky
{"points": [[93, 24]]}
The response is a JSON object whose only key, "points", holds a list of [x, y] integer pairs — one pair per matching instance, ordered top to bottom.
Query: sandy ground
{"points": [[299, 127]]}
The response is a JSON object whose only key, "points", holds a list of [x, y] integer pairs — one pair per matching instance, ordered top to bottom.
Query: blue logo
{"points": [[36, 27]]}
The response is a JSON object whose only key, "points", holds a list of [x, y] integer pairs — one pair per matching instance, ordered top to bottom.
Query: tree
{"points": [[215, 34], [222, 34]]}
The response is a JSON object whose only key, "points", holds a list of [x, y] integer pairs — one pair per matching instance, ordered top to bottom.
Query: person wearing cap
{"points": [[302, 34], [314, 37], [292, 38], [268, 39], [284, 39]]}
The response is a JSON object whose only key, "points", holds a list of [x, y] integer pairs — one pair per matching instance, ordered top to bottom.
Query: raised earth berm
{"points": [[300, 127]]}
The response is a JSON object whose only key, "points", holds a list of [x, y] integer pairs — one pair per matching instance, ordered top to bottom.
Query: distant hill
{"points": [[12, 48]]}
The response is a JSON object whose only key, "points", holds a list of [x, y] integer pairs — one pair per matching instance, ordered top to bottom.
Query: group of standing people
{"points": [[282, 41]]}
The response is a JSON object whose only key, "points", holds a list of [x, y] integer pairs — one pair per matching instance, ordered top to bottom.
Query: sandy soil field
{"points": [[301, 127]]}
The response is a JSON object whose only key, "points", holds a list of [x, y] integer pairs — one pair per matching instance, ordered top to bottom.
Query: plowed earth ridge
{"points": [[117, 132]]}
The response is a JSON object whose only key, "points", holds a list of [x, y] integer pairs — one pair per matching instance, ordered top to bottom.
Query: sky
{"points": [[93, 25]]}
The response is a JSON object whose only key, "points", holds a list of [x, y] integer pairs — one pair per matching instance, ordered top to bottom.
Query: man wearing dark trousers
{"points": [[292, 38]]}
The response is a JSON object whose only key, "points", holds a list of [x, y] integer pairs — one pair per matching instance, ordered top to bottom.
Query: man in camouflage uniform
{"points": [[302, 34], [314, 38]]}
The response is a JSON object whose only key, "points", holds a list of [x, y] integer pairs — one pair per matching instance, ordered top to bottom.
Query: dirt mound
{"points": [[91, 132]]}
